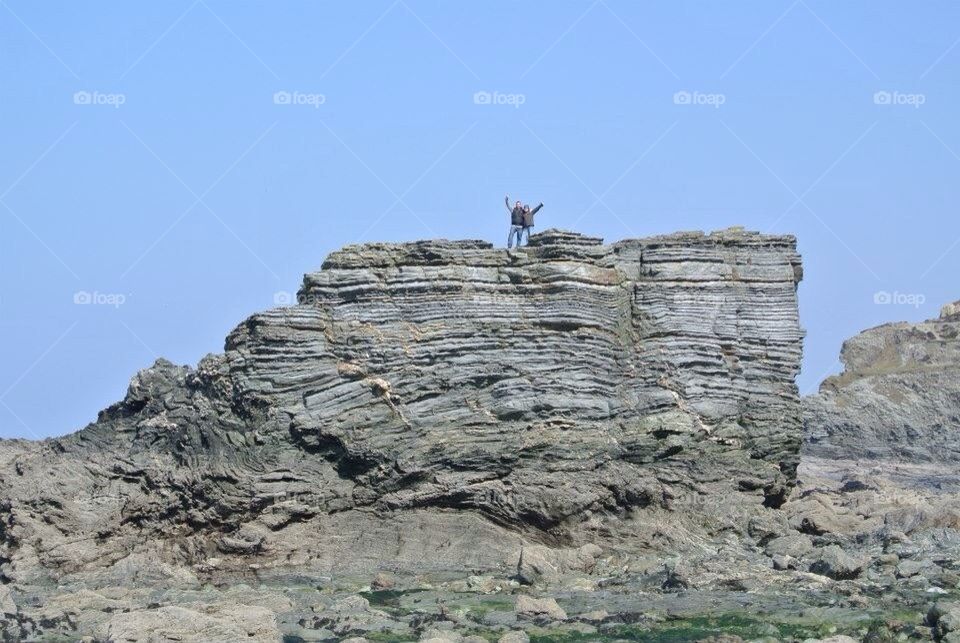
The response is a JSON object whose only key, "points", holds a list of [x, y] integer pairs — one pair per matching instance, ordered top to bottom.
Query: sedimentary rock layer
{"points": [[426, 392]]}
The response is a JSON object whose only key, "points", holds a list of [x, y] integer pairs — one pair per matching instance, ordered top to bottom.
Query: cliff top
{"points": [[549, 244]]}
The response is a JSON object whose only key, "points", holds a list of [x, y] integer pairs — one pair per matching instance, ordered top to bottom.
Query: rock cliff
{"points": [[897, 402], [430, 406], [445, 441]]}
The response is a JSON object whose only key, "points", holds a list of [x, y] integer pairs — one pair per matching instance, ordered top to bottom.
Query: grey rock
{"points": [[894, 402], [441, 405], [438, 407], [793, 546], [834, 562], [540, 563], [783, 563], [909, 568], [383, 581], [539, 608], [353, 615], [594, 616], [499, 618], [944, 618], [222, 623], [441, 636], [516, 636]]}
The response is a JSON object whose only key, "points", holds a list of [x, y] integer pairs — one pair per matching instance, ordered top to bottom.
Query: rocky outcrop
{"points": [[897, 401], [438, 405], [567, 441], [878, 495]]}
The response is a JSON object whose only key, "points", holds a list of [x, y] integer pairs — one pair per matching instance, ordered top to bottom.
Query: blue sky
{"points": [[148, 159]]}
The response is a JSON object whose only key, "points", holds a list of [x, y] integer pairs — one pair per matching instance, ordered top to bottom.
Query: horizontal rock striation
{"points": [[506, 372], [441, 397]]}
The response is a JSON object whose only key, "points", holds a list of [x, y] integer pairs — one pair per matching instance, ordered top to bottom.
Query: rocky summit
{"points": [[442, 440]]}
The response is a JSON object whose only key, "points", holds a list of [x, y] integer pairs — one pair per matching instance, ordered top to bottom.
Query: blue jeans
{"points": [[514, 230], [526, 230]]}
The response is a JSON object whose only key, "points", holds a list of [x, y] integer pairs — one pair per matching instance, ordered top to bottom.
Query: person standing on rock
{"points": [[528, 215], [516, 221]]}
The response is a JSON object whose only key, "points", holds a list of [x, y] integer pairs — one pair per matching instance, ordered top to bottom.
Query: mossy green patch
{"points": [[387, 598], [691, 629]]}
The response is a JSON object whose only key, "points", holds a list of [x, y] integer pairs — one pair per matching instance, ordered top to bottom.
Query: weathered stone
{"points": [[899, 391], [439, 405], [794, 546], [834, 562], [540, 563], [783, 563], [909, 568], [383, 581], [539, 608], [352, 615], [594, 616], [944, 618], [222, 623], [441, 636], [516, 636]]}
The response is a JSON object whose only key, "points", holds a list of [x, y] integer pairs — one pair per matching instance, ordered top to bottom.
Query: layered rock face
{"points": [[531, 386], [897, 401], [438, 405]]}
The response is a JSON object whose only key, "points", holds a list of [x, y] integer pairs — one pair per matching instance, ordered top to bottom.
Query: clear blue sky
{"points": [[178, 188]]}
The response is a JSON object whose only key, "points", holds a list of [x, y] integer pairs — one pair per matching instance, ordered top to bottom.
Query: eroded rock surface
{"points": [[897, 401], [427, 407], [443, 441], [878, 493]]}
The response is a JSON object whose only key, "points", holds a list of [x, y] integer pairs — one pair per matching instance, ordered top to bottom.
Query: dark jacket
{"points": [[516, 213], [528, 216]]}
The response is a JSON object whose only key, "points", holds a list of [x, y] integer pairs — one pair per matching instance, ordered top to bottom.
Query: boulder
{"points": [[794, 546], [832, 561], [538, 563], [383, 581], [539, 608], [353, 615], [944, 618], [211, 623]]}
